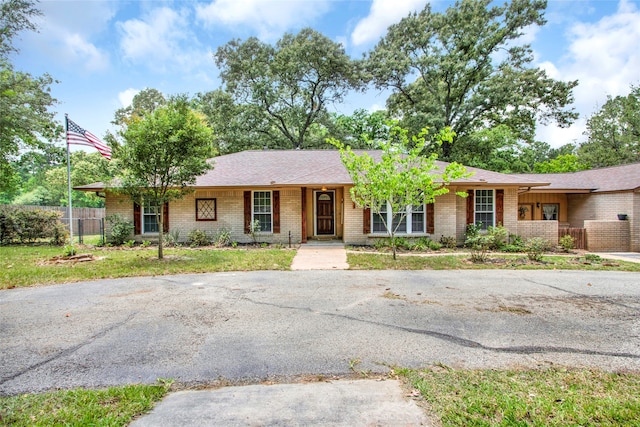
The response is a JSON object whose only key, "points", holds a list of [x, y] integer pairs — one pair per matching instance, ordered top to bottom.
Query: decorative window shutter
{"points": [[303, 202], [470, 206], [499, 207], [276, 211], [247, 212], [431, 216], [137, 218], [165, 218], [366, 221]]}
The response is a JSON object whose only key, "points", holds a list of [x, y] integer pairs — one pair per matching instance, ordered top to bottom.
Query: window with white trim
{"points": [[485, 208], [262, 210], [149, 218], [411, 223]]}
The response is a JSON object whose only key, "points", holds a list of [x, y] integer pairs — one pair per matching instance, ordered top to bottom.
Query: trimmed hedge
{"points": [[19, 225]]}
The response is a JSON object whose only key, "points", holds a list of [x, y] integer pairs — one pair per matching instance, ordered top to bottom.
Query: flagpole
{"points": [[66, 133]]}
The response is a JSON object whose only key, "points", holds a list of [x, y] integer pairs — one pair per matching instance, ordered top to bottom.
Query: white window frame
{"points": [[476, 211], [144, 213], [270, 213], [408, 220]]}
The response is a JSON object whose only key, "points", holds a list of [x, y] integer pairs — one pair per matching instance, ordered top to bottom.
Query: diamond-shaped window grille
{"points": [[206, 209]]}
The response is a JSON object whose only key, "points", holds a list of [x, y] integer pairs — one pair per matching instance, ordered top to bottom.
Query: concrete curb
{"points": [[320, 257], [339, 403]]}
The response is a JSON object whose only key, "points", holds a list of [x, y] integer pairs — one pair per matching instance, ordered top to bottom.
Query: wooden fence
{"points": [[579, 236]]}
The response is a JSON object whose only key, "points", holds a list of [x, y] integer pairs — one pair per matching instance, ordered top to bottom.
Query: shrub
{"points": [[27, 226], [119, 229], [254, 229], [472, 231], [500, 235], [172, 238], [198, 238], [222, 238], [516, 240], [402, 242], [449, 242], [567, 242], [381, 244], [421, 244], [434, 246], [480, 246], [535, 247], [512, 248], [592, 257]]}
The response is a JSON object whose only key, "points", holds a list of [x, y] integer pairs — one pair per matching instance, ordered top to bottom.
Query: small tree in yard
{"points": [[163, 153], [402, 177]]}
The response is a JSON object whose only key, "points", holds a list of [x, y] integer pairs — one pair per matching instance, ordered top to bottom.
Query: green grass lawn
{"points": [[366, 261], [31, 265], [552, 397], [116, 406]]}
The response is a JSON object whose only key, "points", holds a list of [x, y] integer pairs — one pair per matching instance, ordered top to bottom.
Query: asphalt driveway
{"points": [[248, 327]]}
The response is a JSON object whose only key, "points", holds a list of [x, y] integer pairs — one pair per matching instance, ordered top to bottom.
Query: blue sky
{"points": [[103, 52]]}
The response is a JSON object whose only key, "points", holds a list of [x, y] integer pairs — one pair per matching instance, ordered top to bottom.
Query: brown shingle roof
{"points": [[313, 167], [265, 168], [614, 178]]}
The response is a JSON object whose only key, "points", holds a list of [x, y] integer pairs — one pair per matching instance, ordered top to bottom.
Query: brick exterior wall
{"points": [[117, 204], [599, 206], [600, 210], [230, 215], [445, 216], [449, 216], [634, 222], [548, 230], [352, 231], [605, 236]]}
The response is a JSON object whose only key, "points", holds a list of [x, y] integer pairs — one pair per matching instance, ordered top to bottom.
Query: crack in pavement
{"points": [[599, 298], [463, 342], [68, 351]]}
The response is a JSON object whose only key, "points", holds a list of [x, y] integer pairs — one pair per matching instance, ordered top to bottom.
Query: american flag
{"points": [[78, 136]]}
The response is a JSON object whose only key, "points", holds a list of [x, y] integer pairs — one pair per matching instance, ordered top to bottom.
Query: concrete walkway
{"points": [[319, 255], [621, 256], [337, 403]]}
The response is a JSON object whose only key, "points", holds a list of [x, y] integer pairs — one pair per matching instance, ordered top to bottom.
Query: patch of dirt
{"points": [[72, 259]]}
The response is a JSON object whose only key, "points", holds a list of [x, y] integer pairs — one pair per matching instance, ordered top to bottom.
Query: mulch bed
{"points": [[72, 259]]}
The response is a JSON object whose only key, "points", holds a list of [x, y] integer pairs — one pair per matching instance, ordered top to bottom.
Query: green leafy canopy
{"points": [[164, 151], [401, 175]]}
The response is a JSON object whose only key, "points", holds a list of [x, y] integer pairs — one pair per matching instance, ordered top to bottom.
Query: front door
{"points": [[325, 224]]}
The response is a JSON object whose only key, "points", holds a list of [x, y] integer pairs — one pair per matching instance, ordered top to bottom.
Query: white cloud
{"points": [[383, 13], [268, 18], [65, 31], [161, 39], [87, 53], [604, 56], [126, 96], [557, 136]]}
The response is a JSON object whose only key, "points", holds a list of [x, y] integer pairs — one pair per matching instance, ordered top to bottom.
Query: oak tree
{"points": [[466, 69], [282, 91], [613, 132]]}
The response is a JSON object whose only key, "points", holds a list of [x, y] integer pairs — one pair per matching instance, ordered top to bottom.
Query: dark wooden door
{"points": [[325, 222]]}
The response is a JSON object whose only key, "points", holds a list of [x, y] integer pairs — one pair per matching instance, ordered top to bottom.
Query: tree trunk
{"points": [[160, 221], [393, 245]]}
